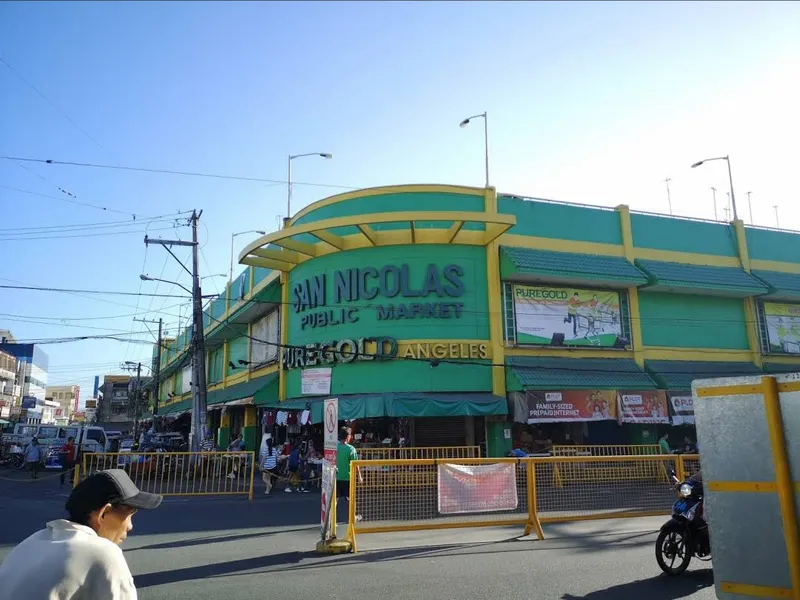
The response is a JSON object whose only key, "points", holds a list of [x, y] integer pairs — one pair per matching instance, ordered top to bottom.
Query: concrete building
{"points": [[448, 315], [32, 366], [8, 384], [67, 397], [114, 404]]}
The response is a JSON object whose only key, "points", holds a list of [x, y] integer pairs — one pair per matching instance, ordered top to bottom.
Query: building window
{"points": [[265, 338], [119, 410]]}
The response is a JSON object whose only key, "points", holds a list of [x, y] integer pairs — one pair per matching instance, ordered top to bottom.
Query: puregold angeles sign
{"points": [[427, 295], [379, 348]]}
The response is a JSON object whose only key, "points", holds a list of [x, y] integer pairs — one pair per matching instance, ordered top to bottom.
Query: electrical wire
{"points": [[58, 109], [174, 172], [90, 226], [84, 235], [106, 292], [47, 318]]}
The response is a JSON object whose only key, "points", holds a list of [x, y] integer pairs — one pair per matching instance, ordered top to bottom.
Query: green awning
{"points": [[567, 267], [700, 279], [782, 286], [780, 368], [551, 373], [677, 375], [240, 391], [398, 404], [175, 408]]}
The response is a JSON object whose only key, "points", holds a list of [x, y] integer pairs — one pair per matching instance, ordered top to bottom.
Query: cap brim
{"points": [[144, 500]]}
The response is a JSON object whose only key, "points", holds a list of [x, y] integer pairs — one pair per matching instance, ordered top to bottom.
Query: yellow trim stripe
{"points": [[730, 390], [743, 486], [758, 591]]}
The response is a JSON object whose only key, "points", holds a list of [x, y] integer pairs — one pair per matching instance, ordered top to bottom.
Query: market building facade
{"points": [[446, 315]]}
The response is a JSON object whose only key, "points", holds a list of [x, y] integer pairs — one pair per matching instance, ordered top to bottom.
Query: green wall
{"points": [[416, 201], [562, 221], [682, 235], [764, 244], [684, 321], [472, 324], [238, 348], [215, 366], [400, 376]]}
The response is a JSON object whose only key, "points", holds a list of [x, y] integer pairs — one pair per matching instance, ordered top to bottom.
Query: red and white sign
{"points": [[648, 407], [330, 418], [330, 421], [478, 489]]}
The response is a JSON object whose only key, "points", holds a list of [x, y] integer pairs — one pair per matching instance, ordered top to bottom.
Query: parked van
{"points": [[51, 437]]}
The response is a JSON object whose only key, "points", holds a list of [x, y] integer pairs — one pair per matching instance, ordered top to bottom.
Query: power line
{"points": [[52, 104], [173, 172], [77, 202], [88, 226], [84, 235], [68, 291], [80, 318]]}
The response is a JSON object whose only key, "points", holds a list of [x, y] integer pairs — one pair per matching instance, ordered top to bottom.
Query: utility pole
{"points": [[714, 196], [669, 198], [750, 206], [198, 341], [157, 368], [137, 393]]}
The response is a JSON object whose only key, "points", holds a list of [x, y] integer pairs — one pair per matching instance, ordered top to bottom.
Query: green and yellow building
{"points": [[453, 310]]}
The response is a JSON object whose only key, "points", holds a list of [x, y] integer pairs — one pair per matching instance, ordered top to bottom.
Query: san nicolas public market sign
{"points": [[367, 283]]}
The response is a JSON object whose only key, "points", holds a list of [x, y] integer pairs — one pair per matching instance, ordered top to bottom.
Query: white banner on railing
{"points": [[477, 489]]}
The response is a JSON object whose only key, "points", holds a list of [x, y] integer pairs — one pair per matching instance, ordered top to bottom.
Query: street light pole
{"points": [[485, 118], [327, 155], [730, 179], [714, 197], [669, 198], [750, 207], [777, 222], [233, 235]]}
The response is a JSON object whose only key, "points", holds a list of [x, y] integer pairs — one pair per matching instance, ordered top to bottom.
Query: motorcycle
{"points": [[685, 535]]}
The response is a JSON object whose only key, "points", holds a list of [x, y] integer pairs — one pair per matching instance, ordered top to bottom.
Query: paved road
{"points": [[205, 549]]}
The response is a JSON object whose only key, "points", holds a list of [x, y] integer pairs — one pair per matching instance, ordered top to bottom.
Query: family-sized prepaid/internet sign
{"points": [[477, 489]]}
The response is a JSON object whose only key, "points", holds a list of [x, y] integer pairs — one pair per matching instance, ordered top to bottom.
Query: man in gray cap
{"points": [[79, 558]]}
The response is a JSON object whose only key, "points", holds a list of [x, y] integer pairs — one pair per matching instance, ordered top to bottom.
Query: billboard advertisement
{"points": [[574, 317], [783, 327], [571, 405], [648, 407], [682, 409]]}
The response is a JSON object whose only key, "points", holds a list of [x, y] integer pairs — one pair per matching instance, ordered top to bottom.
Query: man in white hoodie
{"points": [[80, 558]]}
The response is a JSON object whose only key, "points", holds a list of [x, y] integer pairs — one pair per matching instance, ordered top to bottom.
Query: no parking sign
{"points": [[330, 416]]}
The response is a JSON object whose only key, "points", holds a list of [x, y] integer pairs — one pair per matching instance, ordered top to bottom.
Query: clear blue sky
{"points": [[590, 102]]}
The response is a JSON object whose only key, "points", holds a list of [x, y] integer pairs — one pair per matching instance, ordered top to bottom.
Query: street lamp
{"points": [[465, 122], [327, 155], [730, 179], [233, 235], [148, 278]]}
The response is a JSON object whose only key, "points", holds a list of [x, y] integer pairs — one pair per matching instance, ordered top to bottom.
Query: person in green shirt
{"points": [[663, 443], [345, 453]]}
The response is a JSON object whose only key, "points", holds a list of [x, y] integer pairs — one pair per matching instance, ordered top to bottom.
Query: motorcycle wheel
{"points": [[672, 555]]}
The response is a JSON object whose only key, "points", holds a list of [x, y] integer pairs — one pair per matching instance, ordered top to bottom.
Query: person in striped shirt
{"points": [[269, 465]]}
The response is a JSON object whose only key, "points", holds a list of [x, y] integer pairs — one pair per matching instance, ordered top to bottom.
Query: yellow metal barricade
{"points": [[607, 450], [419, 453], [180, 473], [411, 495]]}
